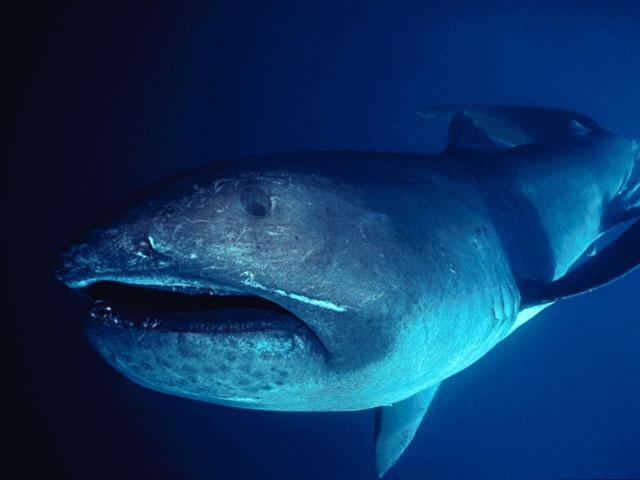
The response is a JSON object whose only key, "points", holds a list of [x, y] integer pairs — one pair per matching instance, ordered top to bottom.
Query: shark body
{"points": [[332, 281]]}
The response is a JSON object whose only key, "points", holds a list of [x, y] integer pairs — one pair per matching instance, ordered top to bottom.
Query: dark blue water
{"points": [[110, 98]]}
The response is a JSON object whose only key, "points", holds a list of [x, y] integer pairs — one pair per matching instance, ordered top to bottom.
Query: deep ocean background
{"points": [[109, 98]]}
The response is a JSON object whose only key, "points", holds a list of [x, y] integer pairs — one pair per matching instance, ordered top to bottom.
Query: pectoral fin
{"points": [[615, 260], [396, 425]]}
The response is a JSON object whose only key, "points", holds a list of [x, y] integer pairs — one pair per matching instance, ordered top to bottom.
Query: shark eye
{"points": [[255, 201], [144, 247]]}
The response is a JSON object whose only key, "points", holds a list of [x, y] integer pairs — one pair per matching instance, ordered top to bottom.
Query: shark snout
{"points": [[101, 256], [77, 266], [67, 272]]}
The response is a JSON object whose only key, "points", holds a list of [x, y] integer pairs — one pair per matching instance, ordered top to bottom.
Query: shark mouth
{"points": [[126, 306]]}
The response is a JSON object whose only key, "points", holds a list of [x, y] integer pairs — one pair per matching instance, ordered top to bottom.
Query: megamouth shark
{"points": [[336, 281]]}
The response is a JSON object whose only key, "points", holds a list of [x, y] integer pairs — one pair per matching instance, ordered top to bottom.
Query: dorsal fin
{"points": [[511, 126], [467, 137]]}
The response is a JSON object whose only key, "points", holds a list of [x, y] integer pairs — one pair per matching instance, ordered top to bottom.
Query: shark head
{"points": [[255, 284]]}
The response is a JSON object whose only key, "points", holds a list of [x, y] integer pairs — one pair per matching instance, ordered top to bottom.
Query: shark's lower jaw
{"points": [[236, 350]]}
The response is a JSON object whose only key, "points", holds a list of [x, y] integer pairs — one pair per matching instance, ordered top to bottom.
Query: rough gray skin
{"points": [[401, 270]]}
